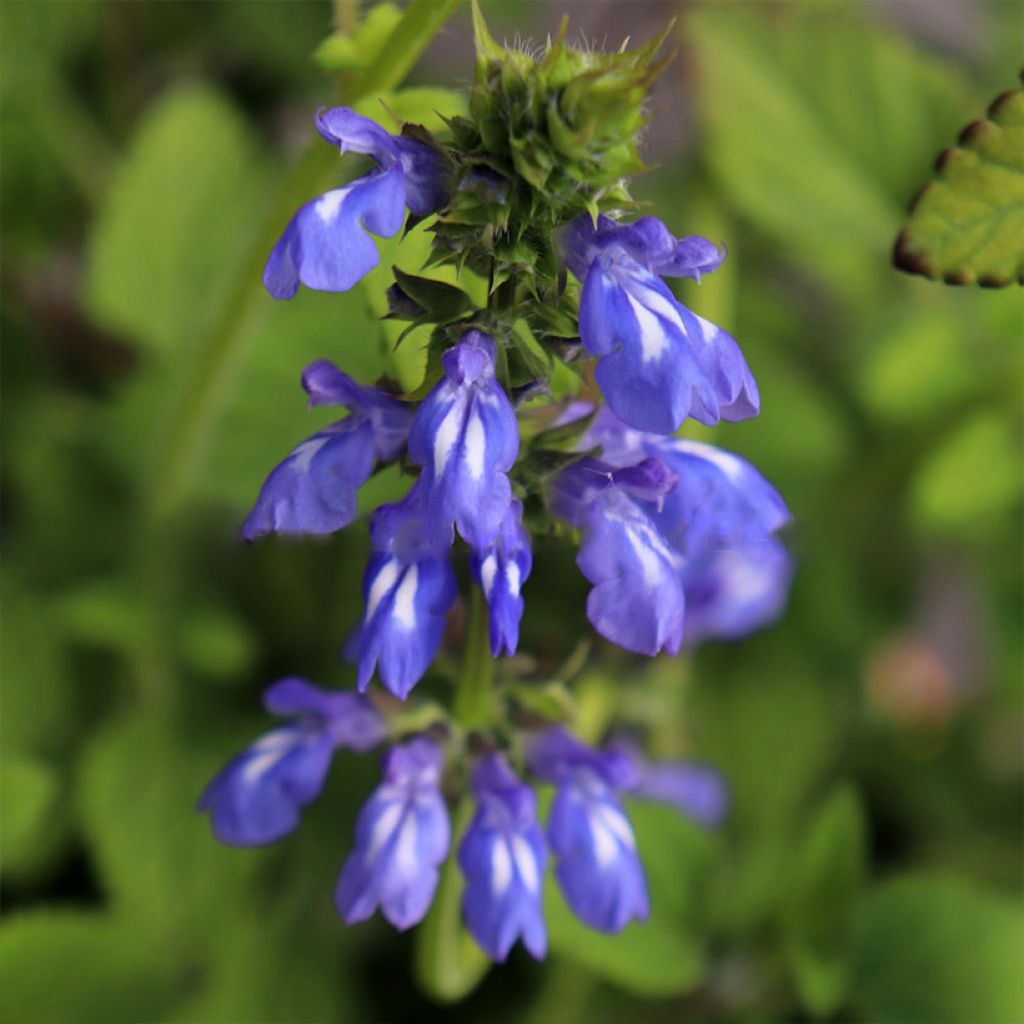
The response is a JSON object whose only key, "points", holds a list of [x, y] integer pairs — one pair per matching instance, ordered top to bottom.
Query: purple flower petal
{"points": [[466, 437], [402, 837], [502, 856]]}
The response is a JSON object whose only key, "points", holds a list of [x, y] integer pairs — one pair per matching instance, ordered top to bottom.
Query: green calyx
{"points": [[567, 119]]}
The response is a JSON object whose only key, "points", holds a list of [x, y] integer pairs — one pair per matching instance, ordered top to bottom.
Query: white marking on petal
{"points": [[328, 205], [659, 304], [654, 341], [447, 435], [475, 446], [302, 456], [650, 565], [487, 570], [512, 578], [382, 584], [404, 609], [266, 753], [615, 821], [382, 829], [606, 849], [407, 861], [526, 863], [501, 867]]}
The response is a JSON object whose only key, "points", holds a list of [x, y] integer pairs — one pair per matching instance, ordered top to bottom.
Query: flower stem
{"points": [[473, 695]]}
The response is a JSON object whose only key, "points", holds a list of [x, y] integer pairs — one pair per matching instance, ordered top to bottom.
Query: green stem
{"points": [[473, 695]]}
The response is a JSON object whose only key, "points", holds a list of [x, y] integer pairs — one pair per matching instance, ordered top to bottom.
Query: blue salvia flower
{"points": [[326, 246], [660, 363], [466, 438], [313, 491], [666, 521], [500, 570], [408, 587], [732, 592], [637, 598], [697, 791], [256, 798], [402, 838], [502, 856], [597, 864]]}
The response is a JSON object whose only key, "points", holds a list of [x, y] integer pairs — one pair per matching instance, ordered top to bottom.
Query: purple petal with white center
{"points": [[326, 246], [648, 372], [466, 438], [313, 491], [500, 571], [732, 592], [637, 600], [406, 604], [257, 797], [402, 837], [502, 857], [597, 867]]}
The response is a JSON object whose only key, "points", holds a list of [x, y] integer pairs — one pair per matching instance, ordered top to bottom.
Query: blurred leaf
{"points": [[354, 51], [812, 161], [177, 215], [967, 227], [920, 365], [975, 473], [37, 711], [772, 732], [137, 788], [28, 792], [828, 876], [933, 947], [663, 955], [448, 962], [80, 968]]}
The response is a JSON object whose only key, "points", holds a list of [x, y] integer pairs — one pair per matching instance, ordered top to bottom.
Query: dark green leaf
{"points": [[437, 300], [827, 880], [933, 947]]}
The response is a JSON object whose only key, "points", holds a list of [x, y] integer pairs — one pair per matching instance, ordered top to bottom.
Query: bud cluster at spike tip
{"points": [[679, 540]]}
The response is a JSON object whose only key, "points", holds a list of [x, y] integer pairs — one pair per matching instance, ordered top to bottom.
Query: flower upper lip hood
{"points": [[647, 241], [326, 246]]}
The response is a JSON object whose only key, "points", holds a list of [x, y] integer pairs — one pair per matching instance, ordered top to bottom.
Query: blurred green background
{"points": [[871, 869]]}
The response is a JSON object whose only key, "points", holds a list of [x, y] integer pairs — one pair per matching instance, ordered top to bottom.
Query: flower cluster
{"points": [[678, 539], [404, 834]]}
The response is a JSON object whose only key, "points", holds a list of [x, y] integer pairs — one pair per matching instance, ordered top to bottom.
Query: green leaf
{"points": [[355, 50], [816, 163], [175, 219], [967, 226], [437, 300], [971, 476], [137, 788], [28, 794], [827, 880], [933, 947], [661, 956], [79, 968]]}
